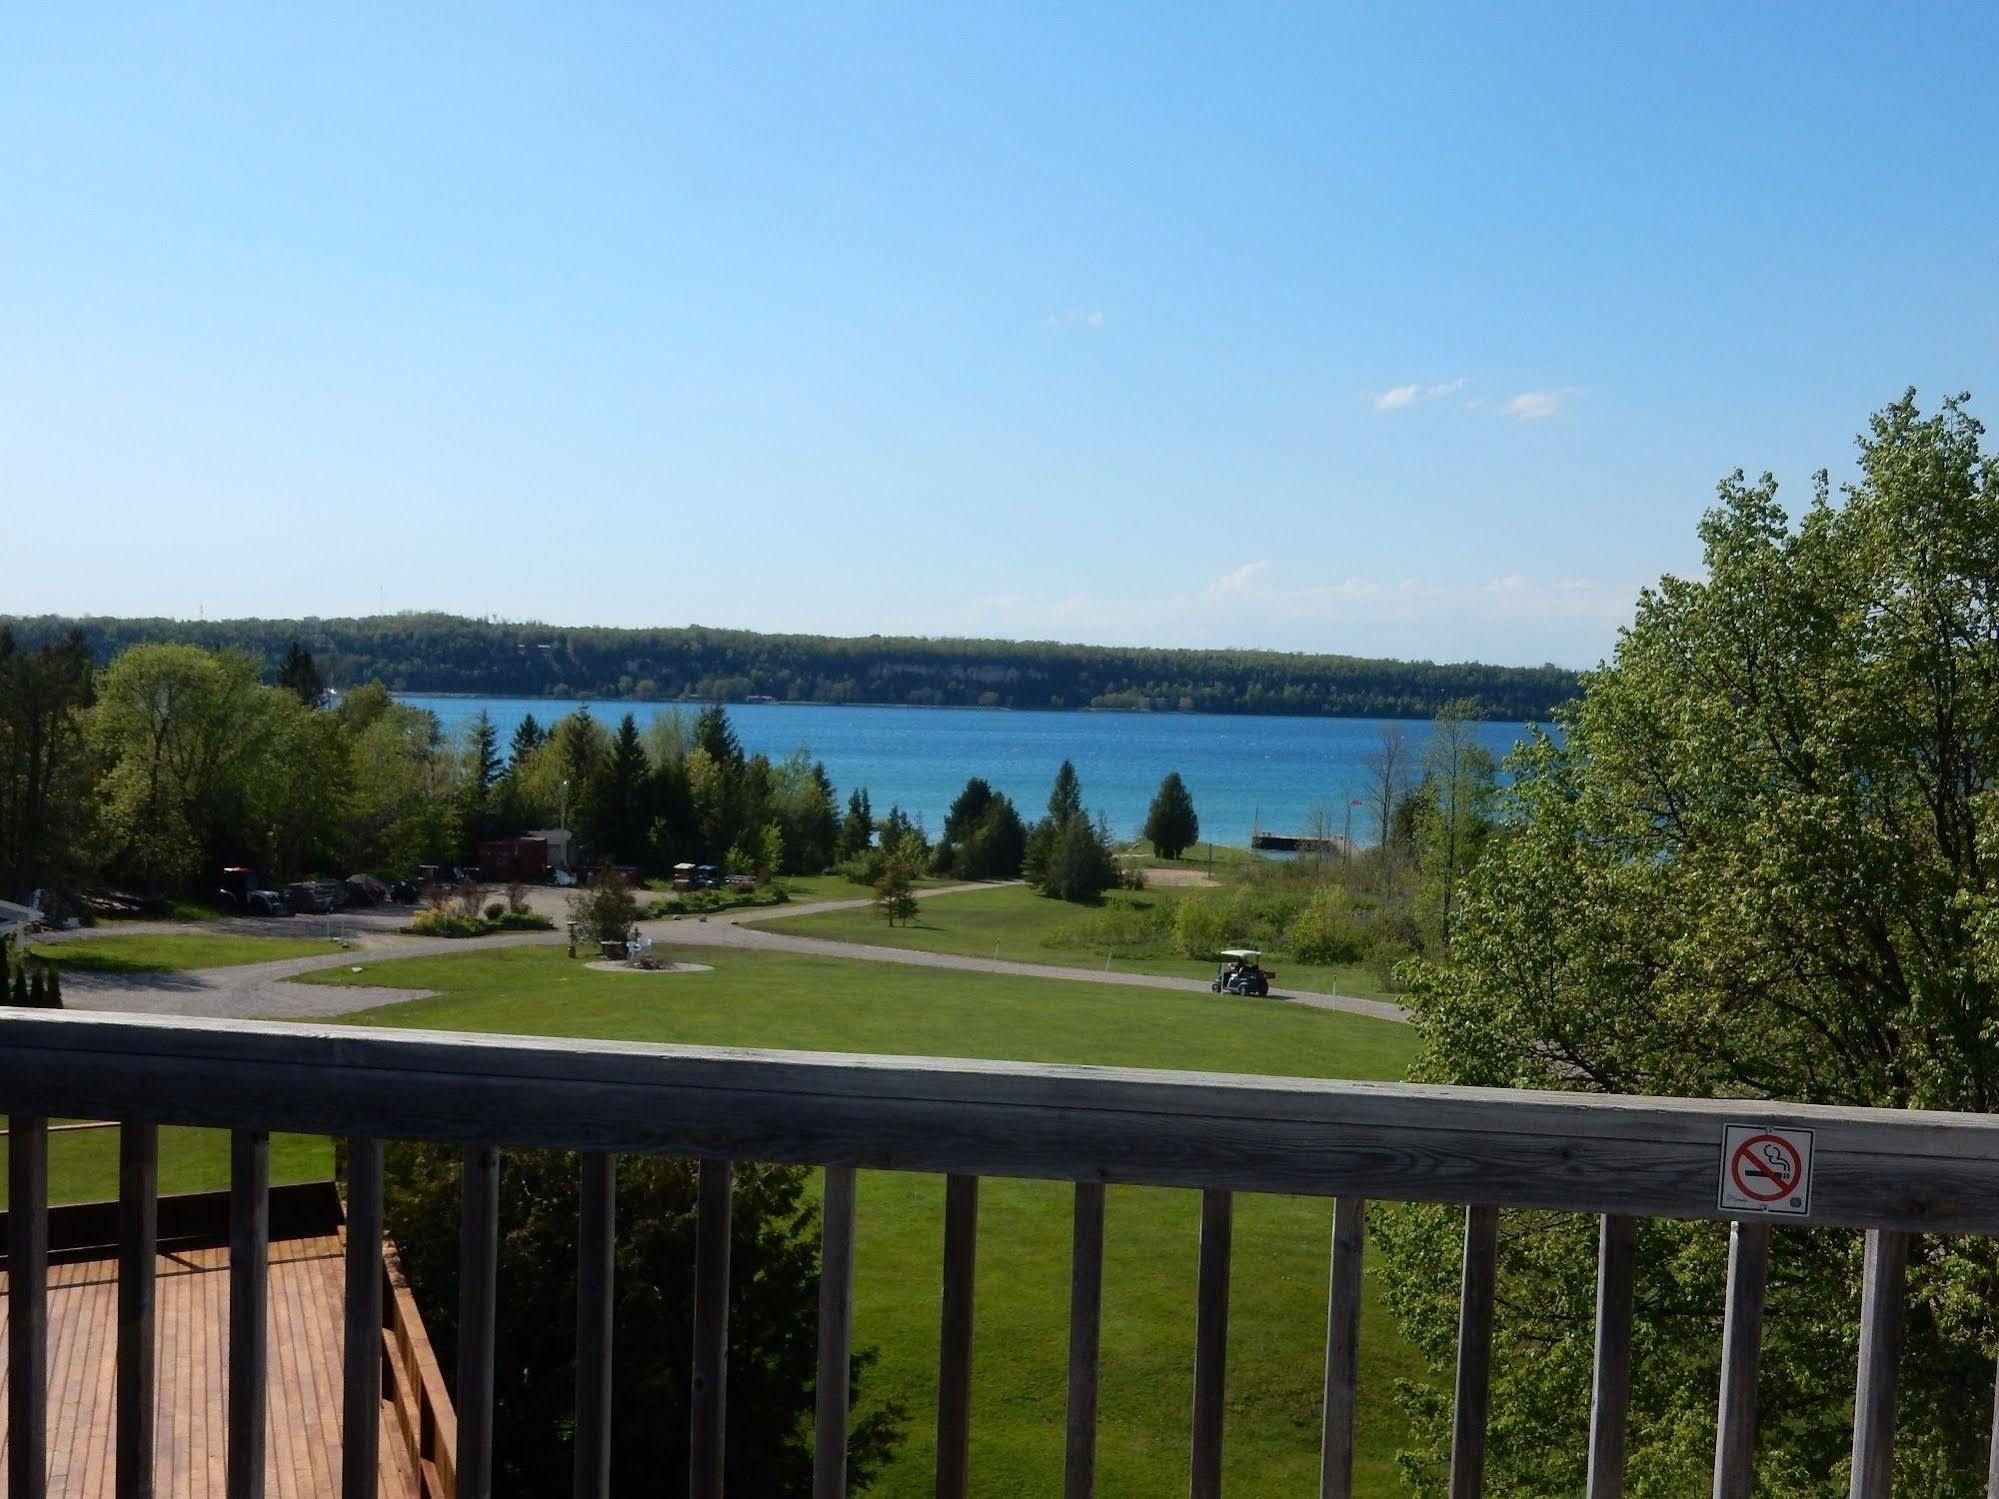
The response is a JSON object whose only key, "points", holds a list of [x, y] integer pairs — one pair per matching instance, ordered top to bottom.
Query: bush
{"points": [[1076, 863], [517, 899], [495, 910], [605, 911], [444, 921], [523, 921], [1327, 930]]}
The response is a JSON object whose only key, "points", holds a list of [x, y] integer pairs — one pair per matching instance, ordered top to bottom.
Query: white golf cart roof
{"points": [[1247, 954]]}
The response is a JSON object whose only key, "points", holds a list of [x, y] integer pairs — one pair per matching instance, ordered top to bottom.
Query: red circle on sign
{"points": [[1766, 1168]]}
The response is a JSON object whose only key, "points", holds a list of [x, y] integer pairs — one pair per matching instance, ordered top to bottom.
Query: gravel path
{"points": [[258, 990]]}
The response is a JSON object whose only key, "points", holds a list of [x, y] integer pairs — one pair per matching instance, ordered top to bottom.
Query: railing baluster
{"points": [[596, 1259], [138, 1262], [478, 1286], [1343, 1292], [27, 1306], [1882, 1308], [249, 1315], [1086, 1320], [836, 1336], [1211, 1343], [954, 1344], [1741, 1350], [361, 1358], [1474, 1381], [1610, 1390], [709, 1407], [1992, 1462]]}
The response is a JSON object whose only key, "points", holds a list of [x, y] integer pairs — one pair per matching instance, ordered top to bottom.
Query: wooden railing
{"points": [[1887, 1173]]}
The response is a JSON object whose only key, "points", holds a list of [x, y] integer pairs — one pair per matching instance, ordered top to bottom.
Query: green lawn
{"points": [[1014, 923], [133, 953], [83, 1163], [1278, 1315]]}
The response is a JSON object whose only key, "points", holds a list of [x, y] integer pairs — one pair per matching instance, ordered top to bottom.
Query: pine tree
{"points": [[300, 675], [713, 733], [528, 737], [482, 759], [1065, 799], [968, 811], [1171, 823], [858, 831]]}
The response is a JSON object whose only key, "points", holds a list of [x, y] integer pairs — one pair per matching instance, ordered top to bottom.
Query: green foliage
{"points": [[443, 653], [300, 675], [46, 761], [1171, 824], [1756, 864], [894, 885], [1327, 930], [773, 1309]]}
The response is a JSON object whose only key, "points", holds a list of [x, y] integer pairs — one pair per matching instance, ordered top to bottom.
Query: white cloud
{"points": [[1077, 317], [1411, 395], [1538, 405]]}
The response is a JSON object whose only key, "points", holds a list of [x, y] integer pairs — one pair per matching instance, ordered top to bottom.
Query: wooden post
{"points": [[596, 1255], [138, 1262], [1343, 1295], [478, 1302], [1086, 1304], [27, 1306], [1882, 1310], [249, 1316], [836, 1336], [1211, 1343], [954, 1344], [1741, 1350], [361, 1359], [1474, 1382], [1610, 1390], [708, 1407]]}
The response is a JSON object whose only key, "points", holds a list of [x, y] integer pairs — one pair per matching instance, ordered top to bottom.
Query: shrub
{"points": [[1076, 862], [517, 898], [495, 910], [605, 911], [443, 921], [1327, 930]]}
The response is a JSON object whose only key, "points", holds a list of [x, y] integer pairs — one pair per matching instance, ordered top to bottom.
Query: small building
{"points": [[559, 846], [510, 859]]}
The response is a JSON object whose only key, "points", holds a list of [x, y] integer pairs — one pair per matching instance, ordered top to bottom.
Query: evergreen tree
{"points": [[300, 675], [714, 733], [528, 737], [482, 759], [1065, 798], [619, 804], [968, 811], [1171, 824], [858, 831], [996, 845]]}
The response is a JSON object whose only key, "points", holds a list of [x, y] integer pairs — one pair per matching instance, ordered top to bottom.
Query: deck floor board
{"points": [[303, 1451]]}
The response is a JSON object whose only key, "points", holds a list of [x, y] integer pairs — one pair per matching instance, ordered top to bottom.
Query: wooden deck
{"points": [[304, 1447]]}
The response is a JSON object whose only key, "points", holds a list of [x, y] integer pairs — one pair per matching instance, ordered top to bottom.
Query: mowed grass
{"points": [[1015, 924], [136, 953], [83, 1163], [1279, 1295]]}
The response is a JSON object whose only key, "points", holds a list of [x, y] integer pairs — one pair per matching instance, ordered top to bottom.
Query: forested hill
{"points": [[443, 653]]}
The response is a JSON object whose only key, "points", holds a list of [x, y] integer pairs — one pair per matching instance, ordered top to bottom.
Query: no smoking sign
{"points": [[1765, 1170]]}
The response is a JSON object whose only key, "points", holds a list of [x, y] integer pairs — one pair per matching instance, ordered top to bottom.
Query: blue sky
{"points": [[1410, 330]]}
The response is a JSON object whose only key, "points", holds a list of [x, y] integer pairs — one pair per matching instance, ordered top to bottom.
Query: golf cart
{"points": [[1241, 972]]}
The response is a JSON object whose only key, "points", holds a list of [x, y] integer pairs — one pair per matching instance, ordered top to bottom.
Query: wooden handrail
{"points": [[1892, 1173]]}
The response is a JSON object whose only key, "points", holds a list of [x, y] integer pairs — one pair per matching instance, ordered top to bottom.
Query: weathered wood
{"points": [[1572, 1151], [596, 1256], [138, 1260], [478, 1290], [1343, 1298], [27, 1306], [1883, 1308], [249, 1315], [361, 1317], [1086, 1319], [836, 1335], [954, 1344], [1211, 1344], [1741, 1351], [1610, 1388], [1473, 1395], [709, 1408]]}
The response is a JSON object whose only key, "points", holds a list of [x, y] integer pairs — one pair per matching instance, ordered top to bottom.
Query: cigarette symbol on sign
{"points": [[1766, 1167]]}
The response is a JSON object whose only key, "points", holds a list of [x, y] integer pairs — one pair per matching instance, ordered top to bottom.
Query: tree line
{"points": [[445, 653]]}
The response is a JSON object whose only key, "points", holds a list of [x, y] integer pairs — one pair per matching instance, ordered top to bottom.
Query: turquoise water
{"points": [[1243, 771]]}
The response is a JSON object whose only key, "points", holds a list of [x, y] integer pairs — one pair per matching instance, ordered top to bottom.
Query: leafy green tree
{"points": [[300, 675], [48, 773], [1454, 817], [1171, 823], [770, 851], [1757, 863], [895, 885], [605, 910], [773, 1312]]}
